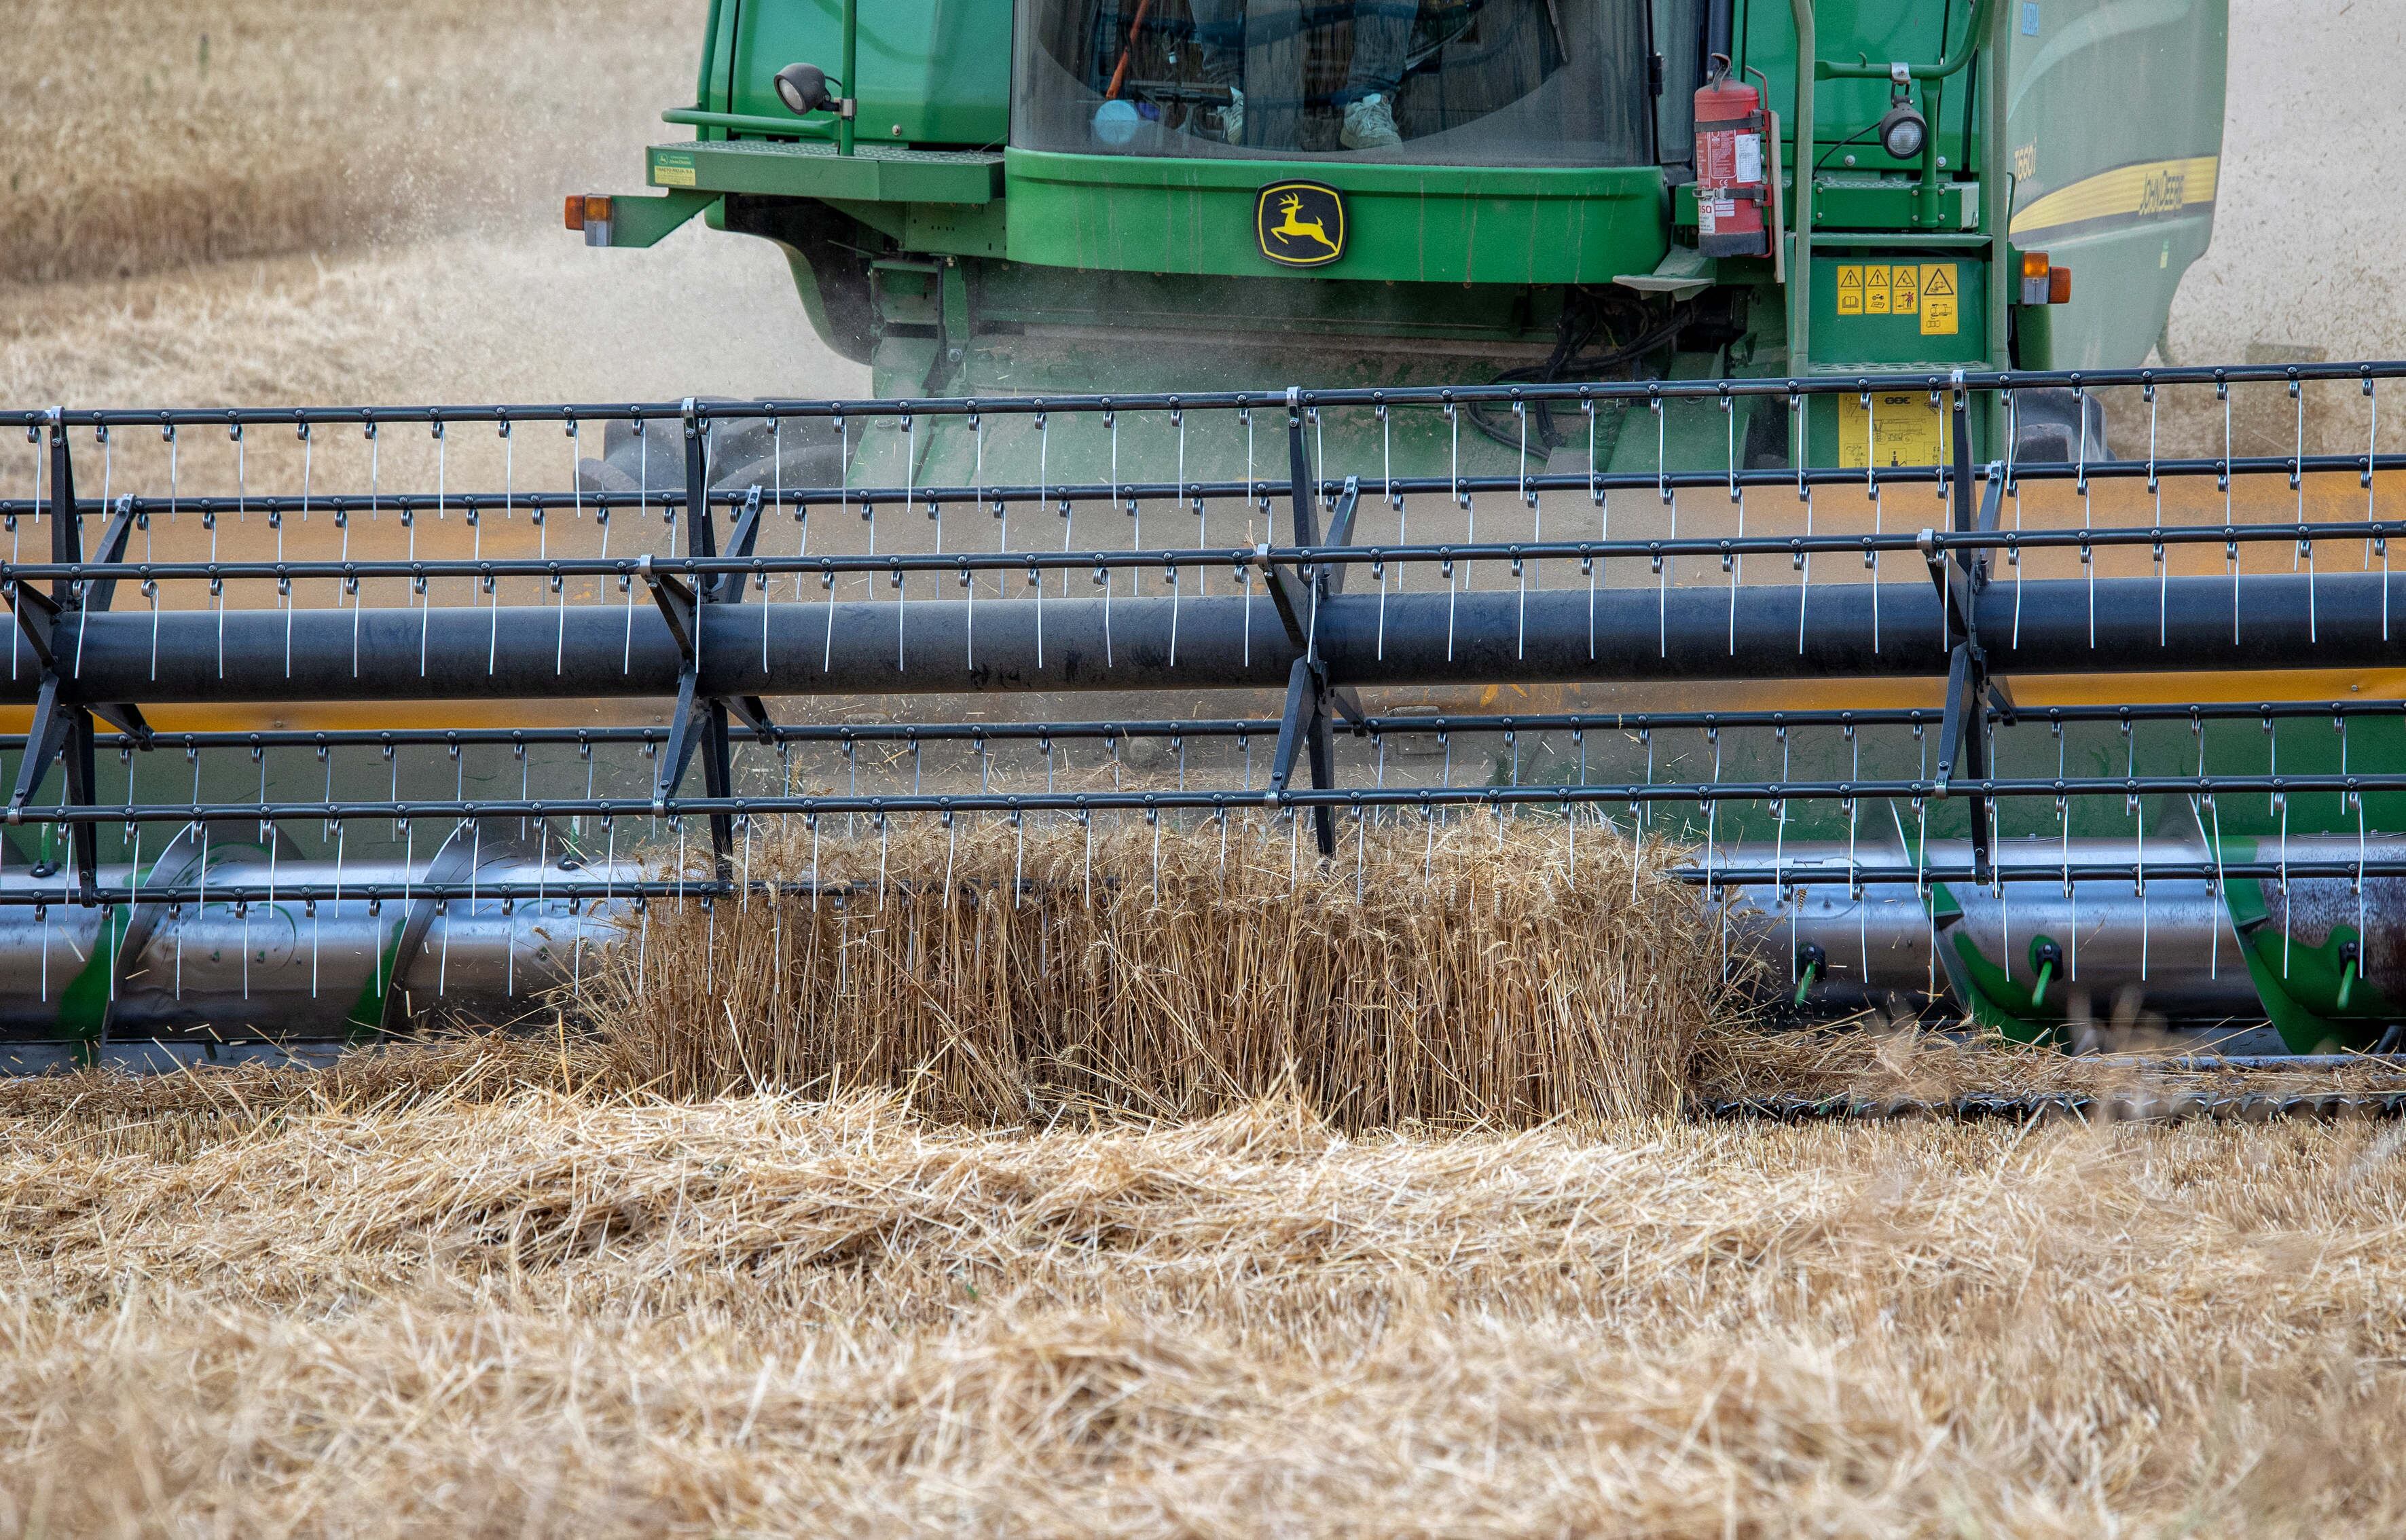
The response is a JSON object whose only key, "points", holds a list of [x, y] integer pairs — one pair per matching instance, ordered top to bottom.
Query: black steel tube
{"points": [[1977, 381], [2272, 621]]}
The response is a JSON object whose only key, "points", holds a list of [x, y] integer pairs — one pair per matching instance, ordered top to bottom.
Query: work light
{"points": [[803, 88]]}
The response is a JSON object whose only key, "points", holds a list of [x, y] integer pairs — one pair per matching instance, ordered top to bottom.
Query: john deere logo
{"points": [[1300, 224]]}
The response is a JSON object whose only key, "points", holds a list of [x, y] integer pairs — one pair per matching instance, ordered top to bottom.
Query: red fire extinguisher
{"points": [[1730, 186]]}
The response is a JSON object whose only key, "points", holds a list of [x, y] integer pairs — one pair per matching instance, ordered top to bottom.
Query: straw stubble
{"points": [[377, 1306]]}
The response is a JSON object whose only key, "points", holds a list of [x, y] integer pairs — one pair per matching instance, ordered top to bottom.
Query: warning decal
{"points": [[1928, 290], [1938, 297], [1908, 298], [1898, 428]]}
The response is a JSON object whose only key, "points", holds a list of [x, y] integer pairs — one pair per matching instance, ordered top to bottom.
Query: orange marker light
{"points": [[591, 213], [2035, 282], [2058, 286]]}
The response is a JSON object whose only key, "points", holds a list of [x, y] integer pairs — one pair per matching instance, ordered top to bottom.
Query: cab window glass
{"points": [[1502, 82]]}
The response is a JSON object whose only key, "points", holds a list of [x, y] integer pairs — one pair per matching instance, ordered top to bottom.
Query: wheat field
{"points": [[244, 201], [742, 1246], [474, 1292]]}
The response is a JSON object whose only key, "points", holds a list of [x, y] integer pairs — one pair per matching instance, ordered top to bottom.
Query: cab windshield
{"points": [[1462, 82]]}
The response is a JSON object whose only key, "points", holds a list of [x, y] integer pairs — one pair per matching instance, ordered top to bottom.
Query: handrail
{"points": [[1824, 69], [851, 105], [745, 123], [1996, 210], [1799, 265]]}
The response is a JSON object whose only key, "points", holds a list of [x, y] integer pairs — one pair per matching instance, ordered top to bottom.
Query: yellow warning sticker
{"points": [[1902, 286], [1850, 289], [1876, 291], [1938, 296], [1898, 428]]}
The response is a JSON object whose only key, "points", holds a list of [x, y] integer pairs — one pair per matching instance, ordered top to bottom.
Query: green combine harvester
{"points": [[1034, 197], [1729, 421]]}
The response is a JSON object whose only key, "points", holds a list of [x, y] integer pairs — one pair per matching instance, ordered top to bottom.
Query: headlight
{"points": [[1902, 133]]}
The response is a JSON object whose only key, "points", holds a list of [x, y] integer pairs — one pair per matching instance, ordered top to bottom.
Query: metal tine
{"points": [[1520, 412], [1872, 484], [2080, 485], [2298, 485], [2014, 490], [2155, 490], [1043, 495], [1670, 498], [1461, 500], [242, 516], [2380, 542], [2229, 547], [1732, 563], [2280, 801], [1853, 809], [2138, 812], [2363, 931]]}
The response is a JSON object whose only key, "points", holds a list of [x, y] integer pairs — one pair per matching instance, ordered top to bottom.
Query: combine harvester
{"points": [[1674, 417]]}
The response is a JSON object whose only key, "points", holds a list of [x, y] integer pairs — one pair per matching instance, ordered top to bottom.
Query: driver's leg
{"points": [[1382, 35], [1219, 43]]}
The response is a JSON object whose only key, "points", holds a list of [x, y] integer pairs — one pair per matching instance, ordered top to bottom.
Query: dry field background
{"points": [[302, 199], [510, 1289], [362, 1305]]}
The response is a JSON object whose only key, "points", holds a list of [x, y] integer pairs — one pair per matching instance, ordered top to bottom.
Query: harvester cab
{"points": [[1037, 197]]}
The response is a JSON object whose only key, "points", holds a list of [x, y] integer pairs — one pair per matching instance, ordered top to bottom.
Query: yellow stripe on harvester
{"points": [[2148, 187]]}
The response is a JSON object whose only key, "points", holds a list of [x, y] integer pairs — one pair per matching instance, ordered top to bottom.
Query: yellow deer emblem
{"points": [[1300, 224], [1293, 225]]}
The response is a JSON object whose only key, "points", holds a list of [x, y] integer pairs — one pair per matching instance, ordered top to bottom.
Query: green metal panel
{"points": [[1877, 31], [931, 71], [2115, 128], [875, 174], [640, 221], [1421, 224], [1221, 308], [1868, 337]]}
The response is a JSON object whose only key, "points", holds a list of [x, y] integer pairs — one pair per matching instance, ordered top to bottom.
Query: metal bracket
{"points": [[1341, 532], [113, 541], [1288, 595], [679, 606], [37, 619], [700, 721], [62, 727], [1303, 728], [1963, 729]]}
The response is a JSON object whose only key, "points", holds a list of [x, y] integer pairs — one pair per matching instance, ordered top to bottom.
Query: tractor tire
{"points": [[2047, 429], [805, 452]]}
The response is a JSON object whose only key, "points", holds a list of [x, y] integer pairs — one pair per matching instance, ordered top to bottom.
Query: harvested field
{"points": [[146, 137], [293, 200], [1159, 1243], [363, 1306]]}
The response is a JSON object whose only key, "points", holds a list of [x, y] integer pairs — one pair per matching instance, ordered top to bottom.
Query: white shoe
{"points": [[1232, 117], [1369, 124]]}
